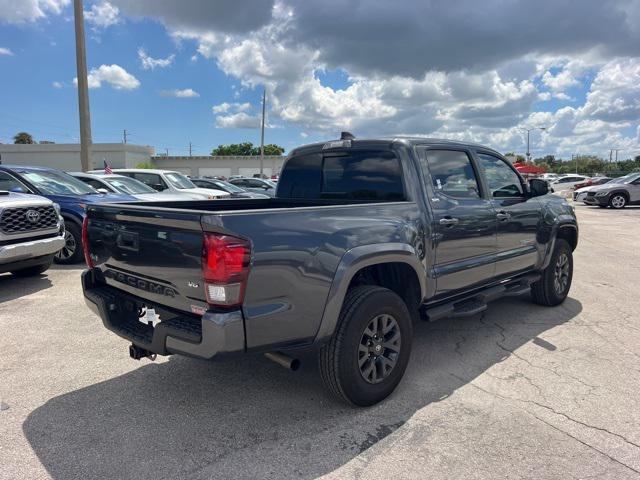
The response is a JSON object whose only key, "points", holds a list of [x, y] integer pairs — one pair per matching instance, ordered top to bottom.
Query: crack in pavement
{"points": [[564, 415], [584, 443]]}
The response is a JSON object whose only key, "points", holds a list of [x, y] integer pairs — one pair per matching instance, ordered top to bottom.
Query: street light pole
{"points": [[83, 88], [264, 101], [528, 130]]}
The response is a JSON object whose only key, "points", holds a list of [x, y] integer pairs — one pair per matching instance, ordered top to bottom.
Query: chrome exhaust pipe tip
{"points": [[283, 360]]}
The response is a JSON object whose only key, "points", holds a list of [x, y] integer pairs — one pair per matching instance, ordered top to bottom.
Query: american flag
{"points": [[107, 168]]}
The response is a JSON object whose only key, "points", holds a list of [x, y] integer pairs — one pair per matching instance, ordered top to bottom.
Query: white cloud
{"points": [[22, 11], [102, 15], [5, 51], [149, 63], [114, 75], [441, 76], [57, 84], [615, 92], [184, 93], [230, 107], [238, 120]]}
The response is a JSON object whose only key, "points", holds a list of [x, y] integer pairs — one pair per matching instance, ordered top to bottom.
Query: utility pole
{"points": [[83, 88], [264, 101], [124, 135], [189, 148], [617, 150], [167, 151], [610, 154]]}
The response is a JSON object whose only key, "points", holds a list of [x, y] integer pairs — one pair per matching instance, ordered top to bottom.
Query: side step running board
{"points": [[477, 302]]}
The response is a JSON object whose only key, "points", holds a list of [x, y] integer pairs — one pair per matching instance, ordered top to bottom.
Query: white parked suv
{"points": [[168, 181], [567, 182], [31, 232]]}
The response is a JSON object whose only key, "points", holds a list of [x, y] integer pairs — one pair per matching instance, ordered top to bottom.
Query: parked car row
{"points": [[615, 193], [70, 194]]}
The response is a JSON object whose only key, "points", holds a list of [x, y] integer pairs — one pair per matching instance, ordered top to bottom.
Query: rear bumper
{"points": [[30, 249], [215, 333]]}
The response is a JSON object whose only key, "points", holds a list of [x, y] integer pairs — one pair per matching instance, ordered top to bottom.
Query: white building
{"points": [[66, 156], [198, 166]]}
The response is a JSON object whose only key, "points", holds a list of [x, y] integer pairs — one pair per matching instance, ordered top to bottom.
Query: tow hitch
{"points": [[138, 353]]}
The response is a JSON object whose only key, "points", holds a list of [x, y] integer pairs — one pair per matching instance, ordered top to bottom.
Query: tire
{"points": [[618, 201], [72, 250], [33, 271], [546, 291], [344, 362]]}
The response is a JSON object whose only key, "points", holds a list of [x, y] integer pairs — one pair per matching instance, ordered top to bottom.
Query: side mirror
{"points": [[158, 186], [538, 187], [18, 190], [102, 190]]}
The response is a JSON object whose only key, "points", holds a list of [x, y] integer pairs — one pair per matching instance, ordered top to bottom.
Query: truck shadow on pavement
{"points": [[12, 287], [249, 418]]}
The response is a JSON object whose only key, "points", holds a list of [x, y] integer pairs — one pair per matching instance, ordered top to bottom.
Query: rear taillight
{"points": [[85, 242], [225, 267]]}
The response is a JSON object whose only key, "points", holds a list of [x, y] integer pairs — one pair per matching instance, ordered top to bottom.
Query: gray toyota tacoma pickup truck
{"points": [[31, 232], [362, 238]]}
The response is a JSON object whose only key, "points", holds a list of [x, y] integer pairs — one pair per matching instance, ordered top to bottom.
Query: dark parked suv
{"points": [[362, 238]]}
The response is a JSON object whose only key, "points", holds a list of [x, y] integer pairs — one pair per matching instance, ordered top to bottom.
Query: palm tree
{"points": [[23, 138]]}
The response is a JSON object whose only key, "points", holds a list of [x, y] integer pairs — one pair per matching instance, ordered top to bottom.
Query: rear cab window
{"points": [[366, 175]]}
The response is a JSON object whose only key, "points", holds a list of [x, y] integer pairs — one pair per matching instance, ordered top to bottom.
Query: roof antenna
{"points": [[347, 136]]}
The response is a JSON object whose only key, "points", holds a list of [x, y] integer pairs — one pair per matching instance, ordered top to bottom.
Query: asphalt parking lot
{"points": [[520, 392]]}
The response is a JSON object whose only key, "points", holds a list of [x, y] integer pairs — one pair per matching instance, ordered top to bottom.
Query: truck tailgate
{"points": [[150, 254]]}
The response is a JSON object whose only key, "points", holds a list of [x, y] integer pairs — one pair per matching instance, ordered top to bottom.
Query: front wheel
{"points": [[618, 201], [72, 250], [553, 287], [369, 352]]}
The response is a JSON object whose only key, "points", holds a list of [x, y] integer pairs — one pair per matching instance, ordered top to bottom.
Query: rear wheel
{"points": [[618, 201], [72, 250], [33, 271], [553, 287], [368, 354]]}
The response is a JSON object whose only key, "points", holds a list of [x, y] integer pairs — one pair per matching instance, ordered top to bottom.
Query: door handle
{"points": [[503, 215], [448, 221]]}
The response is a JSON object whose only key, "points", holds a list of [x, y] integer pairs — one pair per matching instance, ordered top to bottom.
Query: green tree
{"points": [[23, 138], [246, 149], [272, 149], [145, 165]]}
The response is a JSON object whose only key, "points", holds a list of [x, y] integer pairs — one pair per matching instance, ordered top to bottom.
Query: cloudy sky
{"points": [[171, 72]]}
